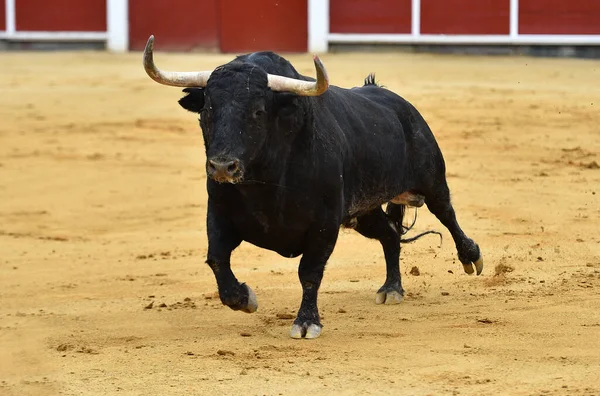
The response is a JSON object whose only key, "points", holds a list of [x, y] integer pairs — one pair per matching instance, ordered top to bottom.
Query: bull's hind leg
{"points": [[376, 225], [468, 251]]}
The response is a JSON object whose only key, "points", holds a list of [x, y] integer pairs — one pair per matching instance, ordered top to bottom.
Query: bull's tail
{"points": [[395, 213], [409, 240]]}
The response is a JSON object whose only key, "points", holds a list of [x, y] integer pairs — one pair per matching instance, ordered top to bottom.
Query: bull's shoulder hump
{"points": [[271, 63]]}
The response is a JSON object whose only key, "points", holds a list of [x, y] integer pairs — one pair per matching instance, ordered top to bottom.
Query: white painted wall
{"points": [[11, 17], [514, 18], [117, 23], [318, 25]]}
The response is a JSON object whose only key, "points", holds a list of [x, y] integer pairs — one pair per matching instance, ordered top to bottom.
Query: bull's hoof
{"points": [[470, 257], [478, 266], [389, 294], [392, 297], [242, 298], [252, 304], [306, 330]]}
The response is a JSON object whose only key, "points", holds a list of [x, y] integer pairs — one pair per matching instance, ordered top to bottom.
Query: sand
{"points": [[104, 290]]}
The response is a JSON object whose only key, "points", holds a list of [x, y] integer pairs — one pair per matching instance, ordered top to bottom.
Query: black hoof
{"points": [[471, 258], [390, 294], [243, 299], [307, 329]]}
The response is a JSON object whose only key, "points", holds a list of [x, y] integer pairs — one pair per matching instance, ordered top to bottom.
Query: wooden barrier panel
{"points": [[2, 15], [60, 15], [370, 16], [465, 16], [559, 17], [180, 25], [258, 25]]}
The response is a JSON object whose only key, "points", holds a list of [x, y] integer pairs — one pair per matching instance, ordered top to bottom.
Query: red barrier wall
{"points": [[2, 15], [60, 15], [370, 16], [465, 16], [559, 17], [180, 25], [256, 25], [282, 25]]}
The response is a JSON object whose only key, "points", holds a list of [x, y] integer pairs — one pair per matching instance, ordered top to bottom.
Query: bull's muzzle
{"points": [[224, 170]]}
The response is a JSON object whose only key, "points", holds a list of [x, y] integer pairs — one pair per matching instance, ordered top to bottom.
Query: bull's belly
{"points": [[409, 198], [361, 206], [286, 237]]}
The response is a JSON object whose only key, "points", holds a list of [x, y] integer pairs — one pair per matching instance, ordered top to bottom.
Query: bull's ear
{"points": [[193, 100]]}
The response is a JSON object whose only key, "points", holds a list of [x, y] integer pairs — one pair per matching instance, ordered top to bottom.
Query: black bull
{"points": [[290, 161]]}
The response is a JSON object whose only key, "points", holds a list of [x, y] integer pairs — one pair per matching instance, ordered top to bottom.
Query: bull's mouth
{"points": [[228, 179]]}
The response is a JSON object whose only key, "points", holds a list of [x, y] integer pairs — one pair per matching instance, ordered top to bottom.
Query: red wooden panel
{"points": [[2, 15], [61, 15], [370, 16], [465, 16], [559, 17], [179, 25], [256, 25]]}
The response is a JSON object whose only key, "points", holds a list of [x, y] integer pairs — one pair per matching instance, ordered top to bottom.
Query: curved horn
{"points": [[174, 79], [301, 87]]}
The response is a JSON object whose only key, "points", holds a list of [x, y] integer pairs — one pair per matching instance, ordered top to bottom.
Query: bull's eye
{"points": [[259, 114]]}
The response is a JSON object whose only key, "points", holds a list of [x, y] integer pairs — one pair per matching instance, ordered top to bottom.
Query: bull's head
{"points": [[240, 105]]}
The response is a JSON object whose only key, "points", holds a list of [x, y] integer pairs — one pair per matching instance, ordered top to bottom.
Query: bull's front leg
{"points": [[222, 240], [319, 246]]}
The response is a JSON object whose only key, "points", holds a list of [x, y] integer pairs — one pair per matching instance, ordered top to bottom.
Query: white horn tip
{"points": [[150, 42]]}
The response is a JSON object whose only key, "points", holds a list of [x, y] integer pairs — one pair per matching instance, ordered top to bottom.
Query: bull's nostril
{"points": [[232, 167], [222, 169]]}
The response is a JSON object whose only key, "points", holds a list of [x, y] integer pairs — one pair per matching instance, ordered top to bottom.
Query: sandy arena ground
{"points": [[102, 215]]}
